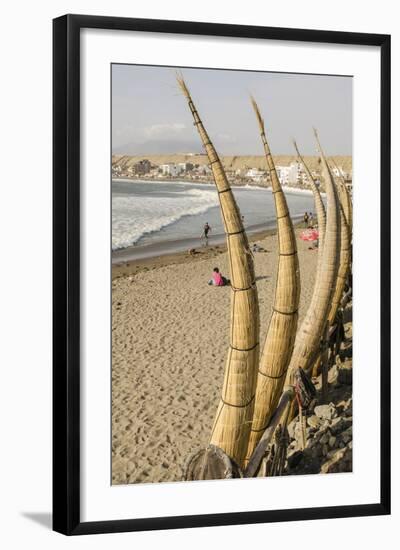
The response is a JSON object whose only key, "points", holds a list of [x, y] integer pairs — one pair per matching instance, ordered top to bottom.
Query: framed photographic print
{"points": [[221, 274]]}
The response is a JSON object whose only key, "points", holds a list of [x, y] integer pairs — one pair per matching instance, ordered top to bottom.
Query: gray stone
{"points": [[333, 374], [345, 376], [349, 410], [327, 412], [314, 421], [339, 424], [292, 428], [347, 435], [325, 438], [332, 441], [315, 451], [295, 459], [339, 461]]}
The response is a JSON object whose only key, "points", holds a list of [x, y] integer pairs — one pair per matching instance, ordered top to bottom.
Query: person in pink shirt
{"points": [[217, 278]]}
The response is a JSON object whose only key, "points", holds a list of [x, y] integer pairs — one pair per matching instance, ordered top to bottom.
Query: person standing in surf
{"points": [[206, 231]]}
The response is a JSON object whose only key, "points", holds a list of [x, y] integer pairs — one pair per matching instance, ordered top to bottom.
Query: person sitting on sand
{"points": [[257, 248], [218, 279]]}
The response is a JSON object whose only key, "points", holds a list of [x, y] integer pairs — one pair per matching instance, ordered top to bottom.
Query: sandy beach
{"points": [[170, 339]]}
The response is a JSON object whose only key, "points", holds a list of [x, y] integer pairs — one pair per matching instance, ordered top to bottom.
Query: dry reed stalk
{"points": [[345, 198], [319, 205], [321, 217], [344, 258], [282, 328], [312, 328], [231, 427]]}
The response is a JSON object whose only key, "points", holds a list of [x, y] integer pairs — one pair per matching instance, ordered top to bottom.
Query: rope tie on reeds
{"points": [[224, 191], [277, 191], [284, 216], [235, 233], [288, 253], [251, 287], [285, 312], [244, 349], [270, 375], [237, 406], [260, 430]]}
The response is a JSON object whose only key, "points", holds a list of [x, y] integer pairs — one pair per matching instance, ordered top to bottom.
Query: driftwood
{"points": [[346, 298], [259, 452], [211, 463]]}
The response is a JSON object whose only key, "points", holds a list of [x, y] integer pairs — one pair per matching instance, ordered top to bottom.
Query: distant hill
{"points": [[155, 147], [230, 162]]}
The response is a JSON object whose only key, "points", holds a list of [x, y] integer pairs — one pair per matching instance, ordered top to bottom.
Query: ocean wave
{"points": [[134, 216]]}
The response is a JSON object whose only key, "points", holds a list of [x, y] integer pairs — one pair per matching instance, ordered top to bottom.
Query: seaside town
{"points": [[195, 169]]}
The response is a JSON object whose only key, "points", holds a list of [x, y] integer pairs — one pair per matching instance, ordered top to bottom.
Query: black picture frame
{"points": [[66, 273]]}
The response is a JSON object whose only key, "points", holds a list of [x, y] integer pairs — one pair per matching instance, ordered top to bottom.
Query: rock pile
{"points": [[328, 432]]}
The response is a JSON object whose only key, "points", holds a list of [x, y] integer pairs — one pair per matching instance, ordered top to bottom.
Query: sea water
{"points": [[145, 212]]}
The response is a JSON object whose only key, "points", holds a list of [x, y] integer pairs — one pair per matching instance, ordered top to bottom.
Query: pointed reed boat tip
{"points": [[182, 84], [258, 114], [319, 148]]}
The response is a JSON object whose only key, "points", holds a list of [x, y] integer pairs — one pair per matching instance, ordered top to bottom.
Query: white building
{"points": [[185, 167], [170, 170], [204, 170], [338, 171], [295, 173], [255, 174], [283, 174], [292, 174]]}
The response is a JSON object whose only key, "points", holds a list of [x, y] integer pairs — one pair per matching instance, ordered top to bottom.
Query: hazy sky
{"points": [[150, 115]]}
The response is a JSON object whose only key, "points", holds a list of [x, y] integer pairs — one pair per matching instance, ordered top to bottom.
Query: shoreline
{"points": [[181, 179], [164, 249], [130, 266]]}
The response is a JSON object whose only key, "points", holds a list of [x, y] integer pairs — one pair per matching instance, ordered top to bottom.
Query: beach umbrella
{"points": [[319, 205], [309, 235], [282, 327], [312, 328], [231, 427]]}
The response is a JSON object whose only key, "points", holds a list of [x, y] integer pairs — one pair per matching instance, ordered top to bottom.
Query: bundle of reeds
{"points": [[344, 198], [319, 205], [321, 217], [345, 251], [282, 328], [312, 328], [231, 427]]}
